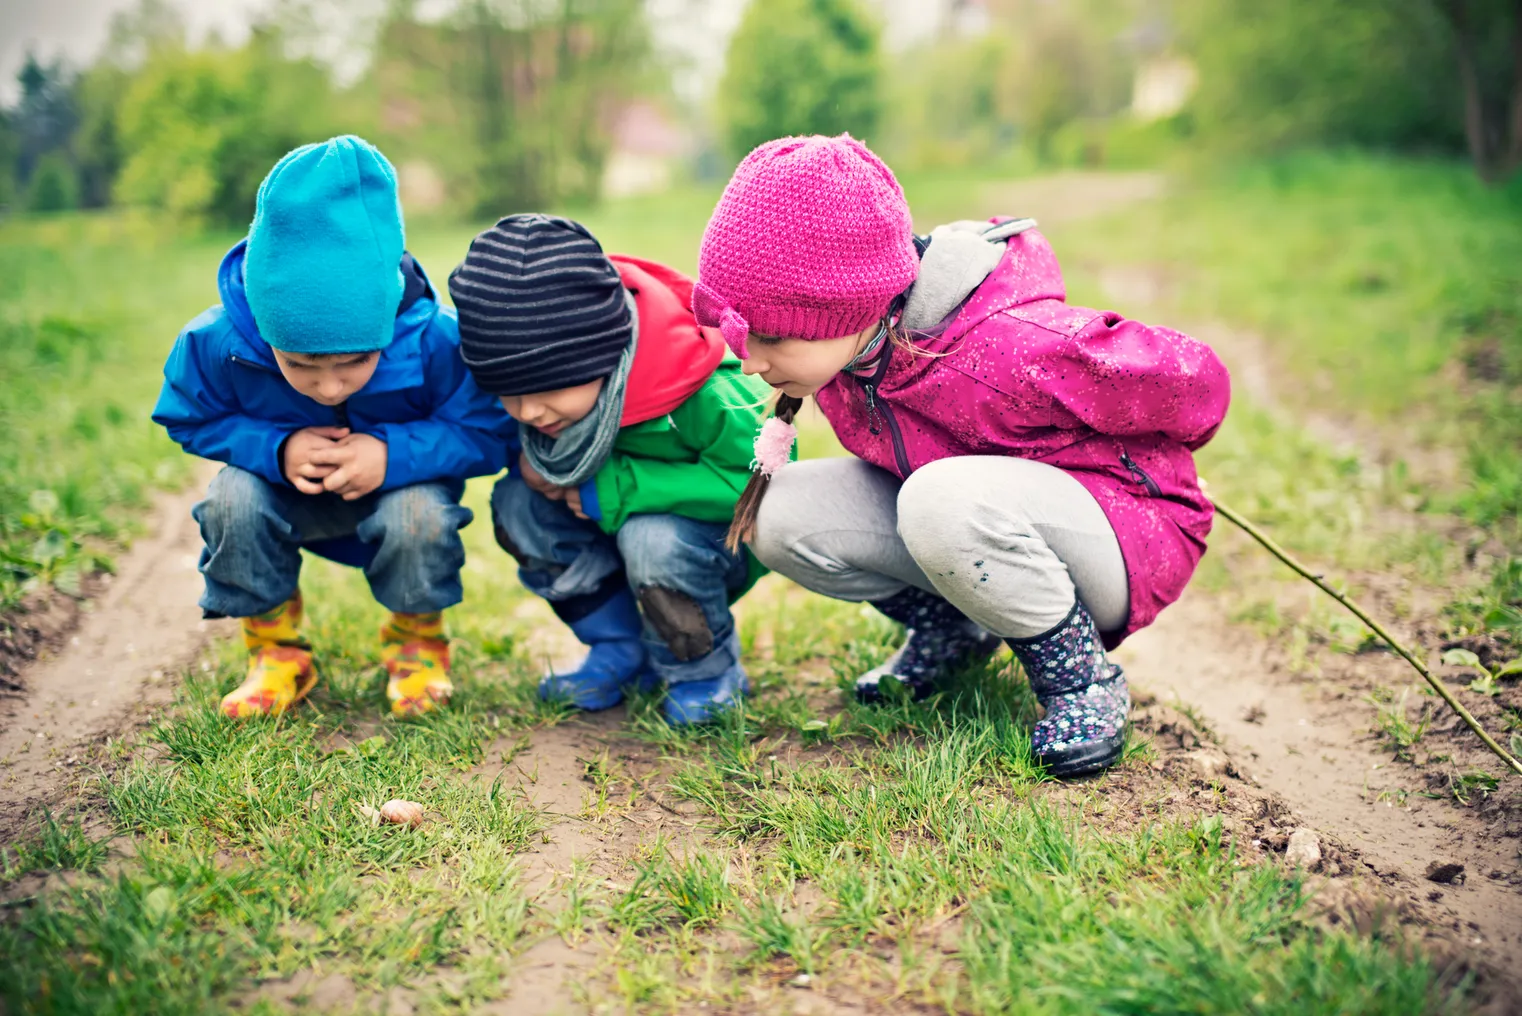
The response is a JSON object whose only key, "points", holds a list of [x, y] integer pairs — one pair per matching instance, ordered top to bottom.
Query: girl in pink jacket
{"points": [[1024, 467]]}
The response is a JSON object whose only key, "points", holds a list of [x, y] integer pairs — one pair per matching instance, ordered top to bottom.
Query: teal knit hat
{"points": [[323, 271]]}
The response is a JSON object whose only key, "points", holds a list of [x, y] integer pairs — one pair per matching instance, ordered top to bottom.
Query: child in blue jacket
{"points": [[329, 380]]}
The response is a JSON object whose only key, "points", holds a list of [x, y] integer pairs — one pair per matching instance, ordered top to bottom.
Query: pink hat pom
{"points": [[774, 446]]}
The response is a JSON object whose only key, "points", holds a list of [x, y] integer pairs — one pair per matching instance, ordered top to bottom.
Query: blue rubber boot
{"points": [[617, 660], [700, 701]]}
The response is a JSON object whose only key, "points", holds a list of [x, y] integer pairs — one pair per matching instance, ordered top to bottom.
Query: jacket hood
{"points": [[959, 256], [674, 356], [398, 366]]}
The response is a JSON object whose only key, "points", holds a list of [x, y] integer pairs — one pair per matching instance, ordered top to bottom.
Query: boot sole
{"points": [[1083, 759]]}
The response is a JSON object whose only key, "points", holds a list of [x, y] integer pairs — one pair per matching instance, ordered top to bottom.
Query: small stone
{"points": [[1210, 765], [1304, 849], [1445, 872], [801, 981]]}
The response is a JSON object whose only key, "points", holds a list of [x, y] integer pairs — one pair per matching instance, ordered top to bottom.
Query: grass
{"points": [[88, 307], [1394, 723], [920, 832], [908, 853]]}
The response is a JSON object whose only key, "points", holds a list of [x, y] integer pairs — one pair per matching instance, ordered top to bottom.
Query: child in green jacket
{"points": [[637, 433]]}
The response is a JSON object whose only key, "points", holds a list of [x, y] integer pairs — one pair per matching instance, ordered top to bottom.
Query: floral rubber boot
{"points": [[941, 639], [415, 652], [280, 671], [1085, 696]]}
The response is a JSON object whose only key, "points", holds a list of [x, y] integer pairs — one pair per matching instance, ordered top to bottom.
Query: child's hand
{"points": [[297, 464], [359, 465], [536, 480]]}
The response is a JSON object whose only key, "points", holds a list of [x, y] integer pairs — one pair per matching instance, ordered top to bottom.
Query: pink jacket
{"points": [[1016, 371]]}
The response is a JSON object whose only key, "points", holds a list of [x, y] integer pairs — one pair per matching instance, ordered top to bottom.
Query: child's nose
{"points": [[753, 365]]}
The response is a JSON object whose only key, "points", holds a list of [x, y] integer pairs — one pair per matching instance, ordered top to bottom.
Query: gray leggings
{"points": [[1008, 541]]}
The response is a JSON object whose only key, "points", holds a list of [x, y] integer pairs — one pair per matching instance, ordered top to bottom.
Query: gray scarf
{"points": [[579, 452]]}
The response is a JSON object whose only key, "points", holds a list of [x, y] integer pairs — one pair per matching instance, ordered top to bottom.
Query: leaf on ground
{"points": [[1461, 658]]}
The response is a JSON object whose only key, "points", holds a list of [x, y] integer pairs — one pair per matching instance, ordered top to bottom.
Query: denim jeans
{"points": [[408, 540], [679, 568]]}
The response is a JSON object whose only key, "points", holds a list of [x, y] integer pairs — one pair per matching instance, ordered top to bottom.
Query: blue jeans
{"points": [[406, 540], [679, 568]]}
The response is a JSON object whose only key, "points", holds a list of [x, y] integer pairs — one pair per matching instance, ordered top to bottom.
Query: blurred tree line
{"points": [[1056, 77], [512, 102]]}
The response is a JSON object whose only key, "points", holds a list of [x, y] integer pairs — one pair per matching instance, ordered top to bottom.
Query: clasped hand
{"points": [[333, 460], [536, 481]]}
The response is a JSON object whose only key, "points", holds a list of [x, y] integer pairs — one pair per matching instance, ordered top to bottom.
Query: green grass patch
{"points": [[832, 835], [870, 853]]}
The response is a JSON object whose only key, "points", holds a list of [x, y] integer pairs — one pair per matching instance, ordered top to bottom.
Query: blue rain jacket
{"points": [[225, 399]]}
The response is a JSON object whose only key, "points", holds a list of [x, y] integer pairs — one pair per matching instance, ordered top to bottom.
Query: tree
{"points": [[1487, 44], [801, 67], [1434, 74], [515, 99], [45, 118], [199, 130], [54, 187]]}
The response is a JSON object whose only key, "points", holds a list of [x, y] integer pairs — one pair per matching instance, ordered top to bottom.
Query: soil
{"points": [[35, 628], [108, 675], [1238, 733], [1308, 745]]}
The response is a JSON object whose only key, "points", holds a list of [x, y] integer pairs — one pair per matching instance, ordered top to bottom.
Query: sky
{"points": [[76, 29], [693, 30]]}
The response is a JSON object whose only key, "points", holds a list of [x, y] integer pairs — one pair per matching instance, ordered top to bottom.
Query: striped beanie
{"points": [[541, 307]]}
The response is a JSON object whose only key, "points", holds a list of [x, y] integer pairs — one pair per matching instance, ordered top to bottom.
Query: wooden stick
{"points": [[1420, 667]]}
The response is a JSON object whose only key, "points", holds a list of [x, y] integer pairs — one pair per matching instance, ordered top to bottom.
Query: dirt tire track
{"points": [[117, 665], [1318, 758]]}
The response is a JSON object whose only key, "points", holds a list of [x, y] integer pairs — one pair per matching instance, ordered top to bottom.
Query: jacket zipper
{"points": [[250, 363], [869, 387], [1140, 475]]}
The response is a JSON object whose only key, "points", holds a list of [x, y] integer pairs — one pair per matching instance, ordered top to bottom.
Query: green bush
{"points": [[801, 67], [1293, 72], [199, 130], [54, 187]]}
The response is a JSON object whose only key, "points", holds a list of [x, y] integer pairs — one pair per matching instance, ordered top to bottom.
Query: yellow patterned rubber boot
{"points": [[415, 651], [280, 671]]}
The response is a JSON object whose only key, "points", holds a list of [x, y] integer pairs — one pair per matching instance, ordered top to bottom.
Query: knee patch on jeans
{"points": [[506, 543], [678, 620]]}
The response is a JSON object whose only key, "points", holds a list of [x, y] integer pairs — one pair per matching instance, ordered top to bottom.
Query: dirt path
{"points": [[118, 664], [1313, 751]]}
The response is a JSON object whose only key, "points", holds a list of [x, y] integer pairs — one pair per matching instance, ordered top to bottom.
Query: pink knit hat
{"points": [[811, 240]]}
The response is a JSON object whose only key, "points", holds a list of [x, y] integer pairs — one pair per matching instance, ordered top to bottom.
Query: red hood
{"points": [[674, 356]]}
